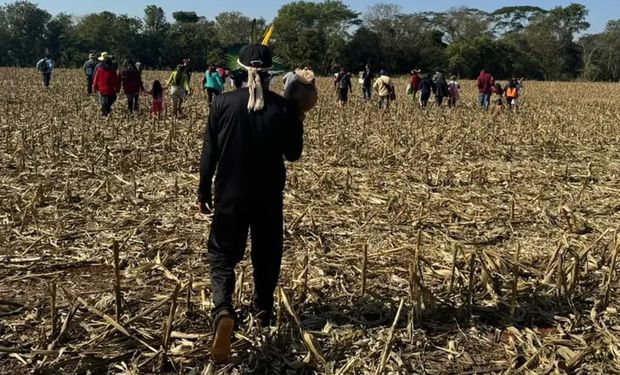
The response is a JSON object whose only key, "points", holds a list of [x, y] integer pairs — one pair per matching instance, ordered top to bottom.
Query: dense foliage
{"points": [[518, 40]]}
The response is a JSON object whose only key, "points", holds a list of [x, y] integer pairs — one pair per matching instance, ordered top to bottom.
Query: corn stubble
{"points": [[418, 242]]}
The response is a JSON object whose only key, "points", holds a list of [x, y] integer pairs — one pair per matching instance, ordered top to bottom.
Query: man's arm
{"points": [[293, 135], [208, 160]]}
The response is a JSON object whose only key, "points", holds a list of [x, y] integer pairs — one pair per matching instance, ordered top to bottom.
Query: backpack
{"points": [[44, 66], [342, 83], [391, 91]]}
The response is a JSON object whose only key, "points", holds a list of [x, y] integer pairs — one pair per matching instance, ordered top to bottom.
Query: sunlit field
{"points": [[417, 242]]}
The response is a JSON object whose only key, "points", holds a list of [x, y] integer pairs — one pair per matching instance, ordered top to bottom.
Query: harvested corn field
{"points": [[417, 242]]}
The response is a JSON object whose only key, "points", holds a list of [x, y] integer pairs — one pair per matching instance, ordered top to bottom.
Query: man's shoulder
{"points": [[239, 98]]}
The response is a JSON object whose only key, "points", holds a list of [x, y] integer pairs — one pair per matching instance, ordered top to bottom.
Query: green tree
{"points": [[185, 17], [513, 19], [154, 20], [25, 27], [234, 28], [106, 31], [313, 32], [550, 38], [61, 39], [190, 40], [152, 41], [406, 41], [602, 53]]}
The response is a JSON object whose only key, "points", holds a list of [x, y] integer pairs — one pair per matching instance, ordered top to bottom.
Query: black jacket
{"points": [[248, 149]]}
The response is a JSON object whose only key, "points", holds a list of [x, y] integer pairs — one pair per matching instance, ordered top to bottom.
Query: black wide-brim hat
{"points": [[255, 56]]}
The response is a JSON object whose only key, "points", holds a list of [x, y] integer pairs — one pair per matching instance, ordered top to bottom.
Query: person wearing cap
{"points": [[89, 70], [107, 83], [250, 131]]}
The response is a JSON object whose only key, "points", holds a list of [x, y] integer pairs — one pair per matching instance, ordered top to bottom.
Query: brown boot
{"points": [[224, 324]]}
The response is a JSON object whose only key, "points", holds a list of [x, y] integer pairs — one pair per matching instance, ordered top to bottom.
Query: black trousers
{"points": [[46, 79], [89, 84], [367, 91], [211, 93], [424, 97], [106, 102], [133, 102], [227, 241]]}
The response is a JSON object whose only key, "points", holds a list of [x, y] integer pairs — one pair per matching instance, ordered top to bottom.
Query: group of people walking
{"points": [[105, 77], [111, 80], [381, 84], [437, 85], [421, 87], [493, 93]]}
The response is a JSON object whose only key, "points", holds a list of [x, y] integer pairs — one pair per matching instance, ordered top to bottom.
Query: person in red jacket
{"points": [[415, 82], [107, 83], [132, 85], [485, 88]]}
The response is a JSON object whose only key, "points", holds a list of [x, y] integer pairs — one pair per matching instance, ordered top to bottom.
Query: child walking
{"points": [[453, 91], [157, 95]]}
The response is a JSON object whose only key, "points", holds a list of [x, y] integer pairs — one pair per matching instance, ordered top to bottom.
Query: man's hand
{"points": [[204, 207]]}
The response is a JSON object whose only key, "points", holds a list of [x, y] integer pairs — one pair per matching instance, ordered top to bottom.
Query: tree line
{"points": [[525, 41]]}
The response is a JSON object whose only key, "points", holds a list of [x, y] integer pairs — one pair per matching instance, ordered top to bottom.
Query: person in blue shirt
{"points": [[89, 70], [213, 83]]}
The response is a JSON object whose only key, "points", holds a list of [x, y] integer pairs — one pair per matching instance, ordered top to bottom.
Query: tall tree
{"points": [[185, 17], [513, 19], [154, 20], [25, 26], [234, 28], [106, 31], [308, 31], [550, 38], [61, 39]]}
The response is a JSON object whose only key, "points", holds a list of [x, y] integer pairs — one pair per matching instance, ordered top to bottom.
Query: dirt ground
{"points": [[417, 242]]}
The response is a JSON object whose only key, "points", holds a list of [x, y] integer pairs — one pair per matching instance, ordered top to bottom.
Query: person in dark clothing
{"points": [[89, 70], [238, 76], [367, 81], [132, 85], [343, 87], [425, 88], [440, 88], [250, 132]]}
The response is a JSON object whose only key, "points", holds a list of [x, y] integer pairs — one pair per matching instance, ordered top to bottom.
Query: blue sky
{"points": [[600, 10]]}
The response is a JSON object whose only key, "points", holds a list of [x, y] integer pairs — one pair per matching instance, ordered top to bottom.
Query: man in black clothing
{"points": [[367, 78], [249, 133]]}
